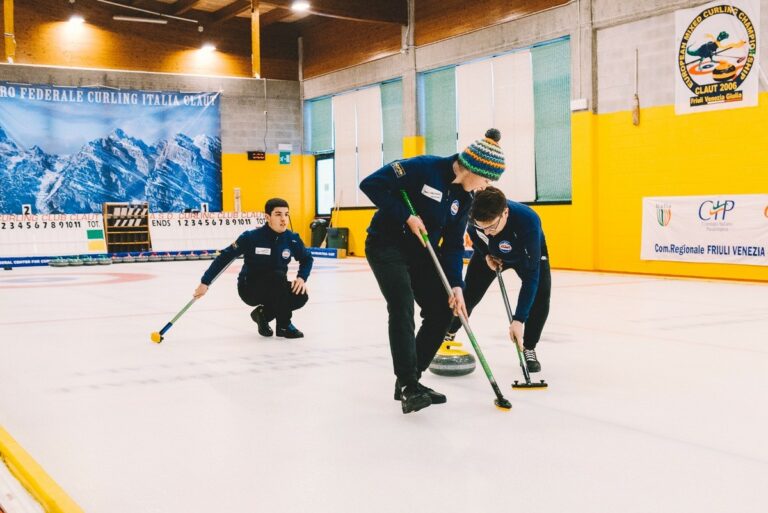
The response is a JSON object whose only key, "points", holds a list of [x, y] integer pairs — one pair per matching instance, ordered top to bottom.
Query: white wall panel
{"points": [[474, 100], [514, 117], [369, 136], [345, 149]]}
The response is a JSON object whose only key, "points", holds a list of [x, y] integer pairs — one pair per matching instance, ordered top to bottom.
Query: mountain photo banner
{"points": [[67, 150]]}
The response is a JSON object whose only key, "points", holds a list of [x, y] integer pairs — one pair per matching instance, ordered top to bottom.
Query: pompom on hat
{"points": [[484, 156]]}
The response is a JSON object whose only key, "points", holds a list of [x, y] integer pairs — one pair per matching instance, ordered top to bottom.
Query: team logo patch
{"points": [[399, 171], [455, 207], [505, 246], [286, 253]]}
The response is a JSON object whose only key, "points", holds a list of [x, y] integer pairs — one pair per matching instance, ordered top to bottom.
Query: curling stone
{"points": [[724, 71], [180, 256], [193, 256], [154, 257], [167, 257], [142, 258], [117, 259], [128, 259], [104, 260], [75, 261], [89, 261], [58, 262], [452, 362]]}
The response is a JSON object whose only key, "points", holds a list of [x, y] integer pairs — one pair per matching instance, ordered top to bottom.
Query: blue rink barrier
{"points": [[33, 261]]}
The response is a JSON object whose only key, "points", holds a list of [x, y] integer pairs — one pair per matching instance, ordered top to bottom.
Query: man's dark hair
{"points": [[274, 203], [488, 205]]}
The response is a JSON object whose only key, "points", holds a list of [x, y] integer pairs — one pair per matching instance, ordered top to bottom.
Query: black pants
{"points": [[404, 277], [479, 277], [273, 290]]}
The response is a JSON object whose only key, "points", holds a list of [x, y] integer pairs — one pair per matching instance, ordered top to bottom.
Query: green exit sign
{"points": [[285, 153]]}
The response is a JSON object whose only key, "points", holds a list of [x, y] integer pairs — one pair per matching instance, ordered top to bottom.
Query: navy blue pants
{"points": [[404, 278], [273, 290]]}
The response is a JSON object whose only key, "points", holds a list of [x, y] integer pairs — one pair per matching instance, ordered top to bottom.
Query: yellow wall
{"points": [[713, 153], [615, 164], [260, 180], [570, 229]]}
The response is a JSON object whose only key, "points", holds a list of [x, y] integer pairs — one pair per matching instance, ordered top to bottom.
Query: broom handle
{"points": [[449, 291], [510, 316]]}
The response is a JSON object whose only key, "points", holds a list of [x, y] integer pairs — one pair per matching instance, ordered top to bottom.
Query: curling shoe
{"points": [[260, 319], [289, 331], [530, 360], [434, 397], [413, 398]]}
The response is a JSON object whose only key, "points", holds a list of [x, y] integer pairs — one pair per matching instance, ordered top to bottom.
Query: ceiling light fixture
{"points": [[300, 6], [158, 14], [76, 19], [140, 20], [208, 48]]}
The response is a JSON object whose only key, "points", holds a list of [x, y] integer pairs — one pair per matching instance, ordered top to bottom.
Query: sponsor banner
{"points": [[717, 56], [68, 150], [725, 229], [328, 252]]}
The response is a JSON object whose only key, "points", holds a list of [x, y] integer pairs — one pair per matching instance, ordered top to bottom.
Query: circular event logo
{"points": [[716, 54], [455, 207], [505, 246], [286, 253]]}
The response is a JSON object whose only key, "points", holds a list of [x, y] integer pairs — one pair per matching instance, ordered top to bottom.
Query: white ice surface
{"points": [[656, 400]]}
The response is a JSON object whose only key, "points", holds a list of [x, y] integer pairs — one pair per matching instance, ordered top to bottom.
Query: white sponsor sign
{"points": [[717, 56], [727, 228], [203, 230], [51, 234], [81, 234]]}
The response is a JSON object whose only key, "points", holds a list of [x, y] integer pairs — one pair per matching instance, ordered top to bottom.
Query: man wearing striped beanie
{"points": [[484, 156], [440, 189]]}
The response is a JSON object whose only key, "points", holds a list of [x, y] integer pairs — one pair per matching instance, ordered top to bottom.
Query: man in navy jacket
{"points": [[440, 191], [508, 235], [263, 279]]}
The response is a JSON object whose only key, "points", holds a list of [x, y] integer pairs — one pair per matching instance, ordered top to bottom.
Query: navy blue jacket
{"points": [[442, 206], [521, 246], [264, 250]]}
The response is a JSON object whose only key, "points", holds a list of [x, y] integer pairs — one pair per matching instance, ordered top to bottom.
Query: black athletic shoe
{"points": [[258, 317], [289, 332], [449, 337], [531, 361], [435, 397], [413, 398]]}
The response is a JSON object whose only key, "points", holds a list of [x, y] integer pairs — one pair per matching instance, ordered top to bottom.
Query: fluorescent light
{"points": [[300, 6], [76, 19], [140, 20], [208, 47]]}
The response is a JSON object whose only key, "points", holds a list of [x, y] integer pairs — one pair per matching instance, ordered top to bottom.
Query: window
{"points": [[526, 95], [358, 131], [324, 188]]}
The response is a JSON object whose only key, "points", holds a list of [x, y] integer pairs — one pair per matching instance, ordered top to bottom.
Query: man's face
{"points": [[474, 183], [278, 220], [493, 226]]}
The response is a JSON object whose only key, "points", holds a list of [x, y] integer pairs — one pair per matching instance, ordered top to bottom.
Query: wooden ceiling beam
{"points": [[182, 6], [229, 11], [391, 11], [275, 15]]}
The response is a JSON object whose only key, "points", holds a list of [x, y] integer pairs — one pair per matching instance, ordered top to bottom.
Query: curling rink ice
{"points": [[657, 398]]}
